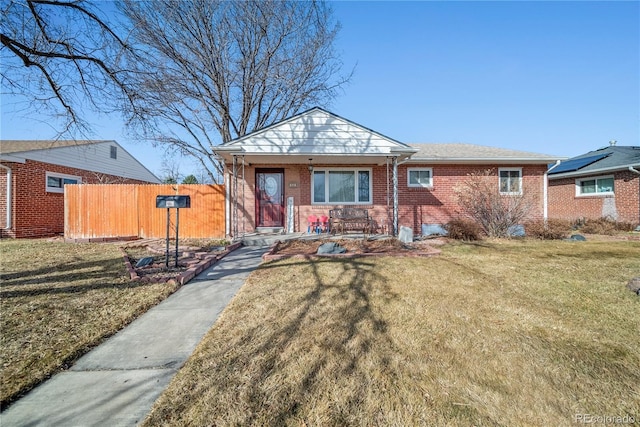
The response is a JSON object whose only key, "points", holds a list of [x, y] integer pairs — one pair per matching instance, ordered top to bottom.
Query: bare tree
{"points": [[63, 57], [217, 70], [170, 169], [102, 178], [480, 199]]}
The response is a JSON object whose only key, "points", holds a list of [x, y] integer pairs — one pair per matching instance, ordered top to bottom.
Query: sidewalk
{"points": [[117, 383]]}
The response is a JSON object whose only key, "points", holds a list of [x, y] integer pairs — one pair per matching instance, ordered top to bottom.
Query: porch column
{"points": [[395, 196], [234, 215]]}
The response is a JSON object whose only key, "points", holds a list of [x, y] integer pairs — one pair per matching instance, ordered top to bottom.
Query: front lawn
{"points": [[58, 300], [492, 333]]}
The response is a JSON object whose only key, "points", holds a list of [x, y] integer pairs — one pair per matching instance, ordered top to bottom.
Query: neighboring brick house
{"points": [[317, 161], [33, 175], [604, 183]]}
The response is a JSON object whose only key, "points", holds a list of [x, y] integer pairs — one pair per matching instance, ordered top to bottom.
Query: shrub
{"points": [[480, 199], [605, 226], [625, 226], [464, 229], [552, 229]]}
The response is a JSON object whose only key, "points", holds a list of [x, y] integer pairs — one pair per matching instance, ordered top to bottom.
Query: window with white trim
{"points": [[113, 152], [420, 177], [510, 180], [55, 181], [602, 185], [341, 186]]}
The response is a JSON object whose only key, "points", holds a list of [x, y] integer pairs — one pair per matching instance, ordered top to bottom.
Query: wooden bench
{"points": [[349, 219]]}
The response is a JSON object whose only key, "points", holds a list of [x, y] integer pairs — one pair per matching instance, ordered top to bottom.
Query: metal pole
{"points": [[395, 196], [388, 199], [244, 216], [234, 218], [177, 223], [166, 253]]}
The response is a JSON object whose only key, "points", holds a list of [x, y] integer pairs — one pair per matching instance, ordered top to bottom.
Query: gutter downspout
{"points": [[632, 170], [9, 192], [545, 192]]}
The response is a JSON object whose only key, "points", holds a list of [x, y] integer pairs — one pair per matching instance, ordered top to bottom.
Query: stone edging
{"points": [[270, 255], [204, 261]]}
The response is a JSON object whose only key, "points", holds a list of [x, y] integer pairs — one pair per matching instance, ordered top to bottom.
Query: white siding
{"points": [[316, 132], [93, 157]]}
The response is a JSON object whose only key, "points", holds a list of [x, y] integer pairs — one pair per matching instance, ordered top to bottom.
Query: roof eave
{"points": [[11, 158], [483, 160], [593, 171]]}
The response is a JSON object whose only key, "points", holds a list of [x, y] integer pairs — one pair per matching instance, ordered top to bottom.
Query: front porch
{"points": [[306, 166]]}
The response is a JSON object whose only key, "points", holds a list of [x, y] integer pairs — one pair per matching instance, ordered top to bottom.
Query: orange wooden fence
{"points": [[100, 211]]}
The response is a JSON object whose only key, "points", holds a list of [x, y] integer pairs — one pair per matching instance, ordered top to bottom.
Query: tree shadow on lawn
{"points": [[74, 277], [357, 333], [324, 354]]}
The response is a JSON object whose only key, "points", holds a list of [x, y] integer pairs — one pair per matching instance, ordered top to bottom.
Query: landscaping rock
{"points": [[433, 230], [516, 231], [405, 235], [577, 238], [330, 248], [144, 262], [634, 285]]}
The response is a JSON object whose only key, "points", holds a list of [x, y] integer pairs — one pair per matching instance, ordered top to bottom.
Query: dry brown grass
{"points": [[57, 301], [494, 333]]}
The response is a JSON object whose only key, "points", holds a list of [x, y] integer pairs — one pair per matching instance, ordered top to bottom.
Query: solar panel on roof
{"points": [[575, 164]]}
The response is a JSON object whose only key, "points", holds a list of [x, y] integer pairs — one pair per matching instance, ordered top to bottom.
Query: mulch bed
{"points": [[354, 247], [192, 260]]}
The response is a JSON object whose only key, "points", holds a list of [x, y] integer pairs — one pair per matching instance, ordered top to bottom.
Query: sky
{"points": [[559, 78]]}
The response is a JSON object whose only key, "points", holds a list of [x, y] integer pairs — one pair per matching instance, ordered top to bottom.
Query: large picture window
{"points": [[510, 180], [56, 181], [341, 186], [594, 186]]}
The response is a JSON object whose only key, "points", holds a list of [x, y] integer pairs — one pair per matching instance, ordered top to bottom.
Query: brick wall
{"points": [[564, 204], [416, 205], [36, 212]]}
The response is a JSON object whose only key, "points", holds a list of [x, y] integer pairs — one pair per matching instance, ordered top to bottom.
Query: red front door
{"points": [[269, 198]]}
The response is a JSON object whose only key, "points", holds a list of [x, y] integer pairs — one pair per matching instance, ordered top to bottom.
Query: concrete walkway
{"points": [[117, 383]]}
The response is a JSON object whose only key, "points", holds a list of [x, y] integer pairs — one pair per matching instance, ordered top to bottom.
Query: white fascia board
{"points": [[227, 148], [402, 150], [14, 159], [593, 171]]}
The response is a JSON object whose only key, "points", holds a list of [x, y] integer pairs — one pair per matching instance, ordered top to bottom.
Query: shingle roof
{"points": [[8, 146], [478, 153], [612, 158]]}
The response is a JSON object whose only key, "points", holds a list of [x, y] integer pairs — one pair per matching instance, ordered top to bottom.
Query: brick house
{"points": [[316, 161], [33, 175], [604, 183]]}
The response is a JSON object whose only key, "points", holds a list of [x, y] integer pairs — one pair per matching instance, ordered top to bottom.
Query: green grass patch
{"points": [[491, 333]]}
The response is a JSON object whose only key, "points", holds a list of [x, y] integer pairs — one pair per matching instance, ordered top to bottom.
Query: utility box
{"points": [[173, 201]]}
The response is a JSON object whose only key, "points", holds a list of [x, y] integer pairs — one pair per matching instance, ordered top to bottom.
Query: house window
{"points": [[114, 152], [419, 177], [510, 180], [56, 181], [341, 186], [592, 186]]}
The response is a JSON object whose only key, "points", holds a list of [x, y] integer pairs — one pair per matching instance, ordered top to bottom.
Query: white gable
{"points": [[315, 133], [92, 156]]}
